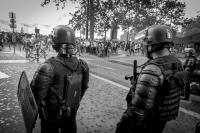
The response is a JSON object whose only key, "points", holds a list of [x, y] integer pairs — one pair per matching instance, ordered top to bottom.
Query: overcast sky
{"points": [[192, 6], [30, 11]]}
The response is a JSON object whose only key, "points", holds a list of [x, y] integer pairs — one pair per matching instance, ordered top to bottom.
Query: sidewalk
{"points": [[7, 54]]}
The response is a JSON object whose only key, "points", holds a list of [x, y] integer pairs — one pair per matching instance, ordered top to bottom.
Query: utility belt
{"points": [[65, 111], [58, 112]]}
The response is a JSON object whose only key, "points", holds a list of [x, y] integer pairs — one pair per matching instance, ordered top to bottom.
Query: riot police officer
{"points": [[190, 61], [189, 65], [59, 84], [156, 92]]}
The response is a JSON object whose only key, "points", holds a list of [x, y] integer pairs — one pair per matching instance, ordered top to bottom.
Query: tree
{"points": [[58, 3], [86, 11], [169, 12], [172, 12], [129, 14], [79, 18], [190, 21], [102, 24], [191, 26]]}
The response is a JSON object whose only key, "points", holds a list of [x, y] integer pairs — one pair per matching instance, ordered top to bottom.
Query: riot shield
{"points": [[27, 103]]}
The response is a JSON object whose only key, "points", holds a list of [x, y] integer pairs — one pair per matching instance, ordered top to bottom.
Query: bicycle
{"points": [[36, 53]]}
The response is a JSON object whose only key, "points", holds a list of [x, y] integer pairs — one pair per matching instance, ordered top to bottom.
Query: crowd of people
{"points": [[25, 42], [98, 47], [105, 48]]}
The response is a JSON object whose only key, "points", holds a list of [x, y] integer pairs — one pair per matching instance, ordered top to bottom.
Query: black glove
{"points": [[129, 96], [134, 115], [131, 121], [124, 126]]}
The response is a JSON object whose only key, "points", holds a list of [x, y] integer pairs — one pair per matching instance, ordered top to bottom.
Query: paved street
{"points": [[103, 103]]}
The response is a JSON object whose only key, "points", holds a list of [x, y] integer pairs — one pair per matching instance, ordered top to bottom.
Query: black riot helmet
{"points": [[63, 34], [156, 38], [64, 39]]}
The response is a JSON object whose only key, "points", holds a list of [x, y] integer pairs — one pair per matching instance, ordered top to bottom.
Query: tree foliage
{"points": [[58, 3], [129, 14], [190, 21]]}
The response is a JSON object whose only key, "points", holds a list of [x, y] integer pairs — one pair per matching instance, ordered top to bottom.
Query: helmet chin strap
{"points": [[147, 52], [149, 55]]}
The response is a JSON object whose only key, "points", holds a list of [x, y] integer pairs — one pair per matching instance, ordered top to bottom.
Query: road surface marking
{"points": [[88, 59], [14, 61], [101, 66], [105, 67], [3, 75], [109, 81], [188, 112], [194, 114]]}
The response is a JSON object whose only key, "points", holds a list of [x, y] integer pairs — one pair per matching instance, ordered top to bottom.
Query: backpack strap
{"points": [[61, 62], [84, 69]]}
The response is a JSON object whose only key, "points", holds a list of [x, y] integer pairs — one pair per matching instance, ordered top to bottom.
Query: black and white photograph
{"points": [[99, 66]]}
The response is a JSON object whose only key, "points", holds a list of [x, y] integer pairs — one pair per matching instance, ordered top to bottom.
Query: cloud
{"points": [[4, 22], [27, 25], [35, 25], [47, 26]]}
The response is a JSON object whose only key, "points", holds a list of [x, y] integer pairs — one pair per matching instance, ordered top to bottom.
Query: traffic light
{"points": [[12, 16], [12, 21]]}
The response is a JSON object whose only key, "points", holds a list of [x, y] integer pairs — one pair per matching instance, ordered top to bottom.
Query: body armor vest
{"points": [[66, 87], [168, 96]]}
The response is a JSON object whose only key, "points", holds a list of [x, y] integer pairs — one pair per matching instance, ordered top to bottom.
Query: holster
{"points": [[42, 111], [66, 112]]}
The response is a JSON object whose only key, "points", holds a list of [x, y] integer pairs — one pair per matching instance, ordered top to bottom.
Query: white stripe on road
{"points": [[88, 59], [14, 61], [101, 66], [105, 67], [3, 75], [109, 81], [188, 112], [194, 114]]}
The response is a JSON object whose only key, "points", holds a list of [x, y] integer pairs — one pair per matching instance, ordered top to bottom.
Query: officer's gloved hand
{"points": [[129, 96], [128, 99], [134, 115], [130, 122], [124, 126]]}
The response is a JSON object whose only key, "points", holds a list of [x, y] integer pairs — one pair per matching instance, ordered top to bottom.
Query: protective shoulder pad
{"points": [[152, 68], [45, 69], [152, 75]]}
